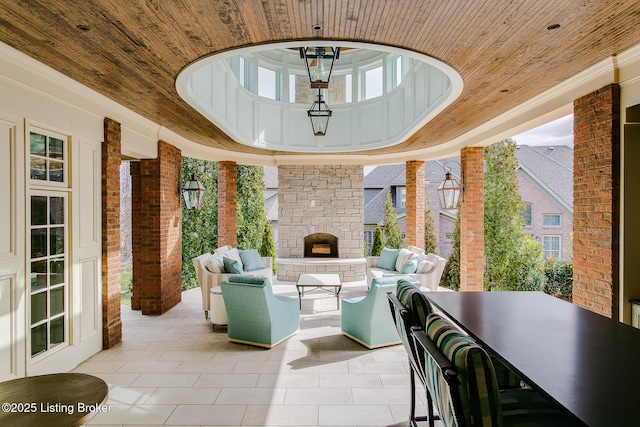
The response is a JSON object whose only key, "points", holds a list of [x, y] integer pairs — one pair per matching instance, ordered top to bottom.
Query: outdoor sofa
{"points": [[211, 269]]}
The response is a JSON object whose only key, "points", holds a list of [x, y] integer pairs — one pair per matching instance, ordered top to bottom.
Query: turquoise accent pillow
{"points": [[388, 258], [251, 260], [231, 266], [410, 266], [257, 281]]}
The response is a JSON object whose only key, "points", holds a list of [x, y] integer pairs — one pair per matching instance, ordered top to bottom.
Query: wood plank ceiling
{"points": [[132, 51]]}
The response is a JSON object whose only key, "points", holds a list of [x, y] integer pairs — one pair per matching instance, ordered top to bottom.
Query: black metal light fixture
{"points": [[319, 62], [319, 114], [449, 190], [193, 192]]}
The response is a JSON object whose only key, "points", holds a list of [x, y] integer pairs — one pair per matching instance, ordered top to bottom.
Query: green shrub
{"points": [[558, 278]]}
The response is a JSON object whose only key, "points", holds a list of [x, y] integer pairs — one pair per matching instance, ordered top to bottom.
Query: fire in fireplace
{"points": [[321, 245]]}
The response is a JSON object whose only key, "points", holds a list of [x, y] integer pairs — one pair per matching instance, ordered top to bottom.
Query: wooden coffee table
{"points": [[329, 282]]}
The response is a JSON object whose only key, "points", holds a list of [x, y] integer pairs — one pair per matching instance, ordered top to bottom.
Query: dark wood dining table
{"points": [[587, 363], [66, 399]]}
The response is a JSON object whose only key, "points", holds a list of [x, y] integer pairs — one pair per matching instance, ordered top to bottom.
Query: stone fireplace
{"points": [[321, 207]]}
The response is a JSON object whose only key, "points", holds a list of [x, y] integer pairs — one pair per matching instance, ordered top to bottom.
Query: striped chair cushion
{"points": [[419, 307], [477, 391]]}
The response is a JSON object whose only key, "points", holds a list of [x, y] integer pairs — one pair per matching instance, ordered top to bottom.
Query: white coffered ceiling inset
{"points": [[413, 89]]}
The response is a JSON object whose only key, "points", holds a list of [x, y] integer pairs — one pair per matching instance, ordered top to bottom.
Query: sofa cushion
{"points": [[416, 250], [235, 254], [404, 255], [388, 259], [251, 260], [215, 264], [231, 265], [410, 266]]}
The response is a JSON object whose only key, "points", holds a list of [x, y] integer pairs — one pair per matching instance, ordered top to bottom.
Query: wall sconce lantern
{"points": [[319, 62], [319, 114], [193, 192]]}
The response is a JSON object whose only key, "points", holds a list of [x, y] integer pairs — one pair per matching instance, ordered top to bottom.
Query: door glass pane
{"points": [[37, 144], [55, 148], [38, 169], [56, 170], [38, 210], [57, 210], [57, 241], [38, 242], [57, 271], [38, 275], [57, 301], [38, 307], [57, 331], [38, 339]]}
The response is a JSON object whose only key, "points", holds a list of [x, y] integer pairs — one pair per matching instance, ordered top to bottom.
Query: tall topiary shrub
{"points": [[251, 216], [392, 236], [430, 239], [376, 245], [451, 274]]}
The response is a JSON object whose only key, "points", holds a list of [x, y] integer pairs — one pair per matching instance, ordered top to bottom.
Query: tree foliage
{"points": [[199, 228], [392, 236], [430, 239], [376, 245], [513, 258], [451, 273]]}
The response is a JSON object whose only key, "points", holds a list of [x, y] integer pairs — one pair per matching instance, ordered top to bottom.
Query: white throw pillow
{"points": [[222, 250], [234, 254], [403, 256], [215, 264], [425, 267]]}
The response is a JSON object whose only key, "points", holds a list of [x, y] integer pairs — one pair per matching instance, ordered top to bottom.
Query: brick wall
{"points": [[596, 188], [415, 203], [227, 204], [472, 220], [158, 251], [111, 323]]}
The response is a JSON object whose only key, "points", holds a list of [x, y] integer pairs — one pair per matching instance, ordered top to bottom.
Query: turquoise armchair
{"points": [[256, 316], [367, 320]]}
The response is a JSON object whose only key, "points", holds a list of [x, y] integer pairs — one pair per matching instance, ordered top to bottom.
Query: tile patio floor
{"points": [[173, 370]]}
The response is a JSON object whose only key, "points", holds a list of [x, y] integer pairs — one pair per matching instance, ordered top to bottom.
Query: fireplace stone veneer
{"points": [[321, 199]]}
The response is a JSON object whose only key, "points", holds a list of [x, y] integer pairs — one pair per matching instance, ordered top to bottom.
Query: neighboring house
{"points": [[391, 178], [545, 180]]}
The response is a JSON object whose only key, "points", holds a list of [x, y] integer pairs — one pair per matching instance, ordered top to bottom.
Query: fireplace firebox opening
{"points": [[321, 245]]}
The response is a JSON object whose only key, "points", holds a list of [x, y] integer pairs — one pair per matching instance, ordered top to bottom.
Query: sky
{"points": [[557, 132]]}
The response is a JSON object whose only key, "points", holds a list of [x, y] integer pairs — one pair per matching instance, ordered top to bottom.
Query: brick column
{"points": [[415, 203], [596, 203], [227, 204], [472, 220], [136, 236], [157, 249], [111, 323]]}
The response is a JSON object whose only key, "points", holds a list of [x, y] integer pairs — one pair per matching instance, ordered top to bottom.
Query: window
{"points": [[398, 71], [267, 83], [373, 83], [348, 87], [47, 157], [403, 198], [527, 214], [552, 220], [368, 237], [448, 237], [551, 246], [48, 258]]}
